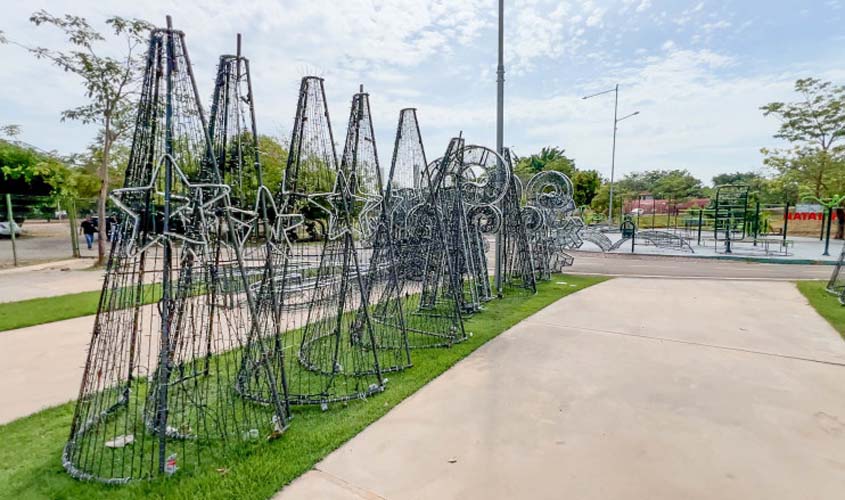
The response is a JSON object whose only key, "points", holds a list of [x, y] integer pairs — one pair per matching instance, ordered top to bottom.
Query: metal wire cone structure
{"points": [[470, 181], [259, 231], [517, 256], [428, 282], [383, 288], [325, 302], [214, 319], [157, 387]]}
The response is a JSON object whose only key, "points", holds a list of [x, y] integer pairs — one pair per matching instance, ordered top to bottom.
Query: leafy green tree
{"points": [[109, 82], [815, 128], [11, 130], [274, 157], [549, 158], [26, 171], [585, 184], [661, 184], [677, 185], [761, 188], [601, 200]]}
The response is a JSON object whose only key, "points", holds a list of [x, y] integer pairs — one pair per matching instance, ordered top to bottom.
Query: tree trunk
{"points": [[102, 223], [840, 223]]}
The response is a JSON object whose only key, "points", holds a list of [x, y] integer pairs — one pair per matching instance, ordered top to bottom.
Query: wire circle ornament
{"points": [[480, 172], [484, 175], [549, 190], [487, 218], [533, 218]]}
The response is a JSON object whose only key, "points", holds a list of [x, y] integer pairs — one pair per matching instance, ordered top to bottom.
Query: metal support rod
{"points": [[500, 114], [639, 208], [653, 212], [825, 214], [11, 219], [700, 220], [785, 221], [74, 234], [728, 234], [827, 237], [633, 240], [164, 358]]}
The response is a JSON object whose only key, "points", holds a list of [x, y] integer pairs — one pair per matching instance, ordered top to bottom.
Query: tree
{"points": [[109, 83], [815, 128], [11, 130], [549, 158], [25, 171], [41, 177], [586, 184], [661, 184], [677, 185], [761, 188], [601, 200]]}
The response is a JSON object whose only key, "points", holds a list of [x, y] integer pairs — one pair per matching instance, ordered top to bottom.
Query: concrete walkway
{"points": [[76, 275], [48, 280], [42, 365], [634, 389]]}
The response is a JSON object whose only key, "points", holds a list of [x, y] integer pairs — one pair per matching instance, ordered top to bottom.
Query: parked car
{"points": [[4, 229]]}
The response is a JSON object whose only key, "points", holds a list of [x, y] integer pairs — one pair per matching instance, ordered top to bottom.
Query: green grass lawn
{"points": [[826, 304], [46, 310], [33, 312], [30, 448]]}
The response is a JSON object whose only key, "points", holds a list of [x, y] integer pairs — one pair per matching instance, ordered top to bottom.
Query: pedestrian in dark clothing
{"points": [[108, 228], [89, 229]]}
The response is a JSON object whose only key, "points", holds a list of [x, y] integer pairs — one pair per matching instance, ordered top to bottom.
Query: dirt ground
{"points": [[42, 242]]}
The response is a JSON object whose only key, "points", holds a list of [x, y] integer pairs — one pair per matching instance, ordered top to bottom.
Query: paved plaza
{"points": [[681, 379], [634, 388]]}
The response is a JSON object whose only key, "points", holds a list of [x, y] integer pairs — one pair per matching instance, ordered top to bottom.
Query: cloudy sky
{"points": [[697, 71]]}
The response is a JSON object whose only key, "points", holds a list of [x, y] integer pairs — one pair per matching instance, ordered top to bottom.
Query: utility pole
{"points": [[616, 121], [500, 134], [613, 152]]}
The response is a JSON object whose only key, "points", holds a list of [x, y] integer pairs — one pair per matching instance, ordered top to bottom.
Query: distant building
{"points": [[648, 205]]}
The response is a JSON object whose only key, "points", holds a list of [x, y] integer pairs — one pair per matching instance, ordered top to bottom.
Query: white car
{"points": [[4, 229]]}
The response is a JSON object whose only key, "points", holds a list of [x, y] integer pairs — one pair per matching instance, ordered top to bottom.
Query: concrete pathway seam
{"points": [[668, 277], [688, 342], [346, 485]]}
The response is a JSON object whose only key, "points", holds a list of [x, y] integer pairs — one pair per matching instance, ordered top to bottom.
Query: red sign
{"points": [[808, 216]]}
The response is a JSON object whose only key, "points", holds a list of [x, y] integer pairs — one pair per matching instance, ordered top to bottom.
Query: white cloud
{"points": [[643, 6], [717, 25], [699, 107], [692, 116]]}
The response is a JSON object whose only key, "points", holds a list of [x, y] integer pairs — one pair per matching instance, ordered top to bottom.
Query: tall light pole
{"points": [[616, 121], [500, 133]]}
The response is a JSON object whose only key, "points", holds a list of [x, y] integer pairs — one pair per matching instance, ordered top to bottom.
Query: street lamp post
{"points": [[616, 121], [500, 134]]}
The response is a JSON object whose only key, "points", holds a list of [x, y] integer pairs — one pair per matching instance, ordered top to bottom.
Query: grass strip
{"points": [[825, 303], [48, 309], [39, 311], [30, 447]]}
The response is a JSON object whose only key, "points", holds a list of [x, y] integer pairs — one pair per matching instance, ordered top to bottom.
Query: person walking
{"points": [[89, 229]]}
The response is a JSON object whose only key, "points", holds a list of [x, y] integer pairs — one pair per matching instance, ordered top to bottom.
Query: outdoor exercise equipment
{"points": [[836, 284]]}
